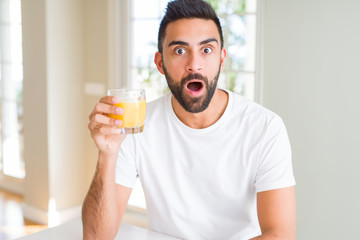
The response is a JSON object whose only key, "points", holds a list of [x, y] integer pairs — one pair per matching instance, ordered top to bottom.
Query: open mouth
{"points": [[194, 86]]}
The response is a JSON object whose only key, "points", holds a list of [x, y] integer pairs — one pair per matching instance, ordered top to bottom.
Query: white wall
{"points": [[65, 48], [96, 71], [312, 79], [53, 104], [36, 189]]}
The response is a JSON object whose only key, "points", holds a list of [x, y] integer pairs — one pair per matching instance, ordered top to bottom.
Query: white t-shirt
{"points": [[202, 183]]}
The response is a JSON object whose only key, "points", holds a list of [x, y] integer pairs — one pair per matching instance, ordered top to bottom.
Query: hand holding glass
{"points": [[133, 102]]}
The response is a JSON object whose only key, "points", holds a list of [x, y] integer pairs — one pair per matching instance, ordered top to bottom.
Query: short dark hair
{"points": [[180, 9]]}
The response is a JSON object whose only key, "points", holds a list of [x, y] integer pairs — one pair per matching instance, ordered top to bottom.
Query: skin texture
{"points": [[191, 52]]}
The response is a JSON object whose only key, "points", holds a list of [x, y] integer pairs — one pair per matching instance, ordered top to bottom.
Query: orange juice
{"points": [[132, 101], [134, 113]]}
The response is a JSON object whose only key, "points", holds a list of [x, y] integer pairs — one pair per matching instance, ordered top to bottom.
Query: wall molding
{"points": [[12, 184], [51, 218]]}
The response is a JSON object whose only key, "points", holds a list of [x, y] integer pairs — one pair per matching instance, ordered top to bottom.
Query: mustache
{"points": [[193, 76]]}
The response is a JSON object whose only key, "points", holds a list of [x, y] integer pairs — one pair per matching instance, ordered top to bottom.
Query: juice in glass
{"points": [[133, 102]]}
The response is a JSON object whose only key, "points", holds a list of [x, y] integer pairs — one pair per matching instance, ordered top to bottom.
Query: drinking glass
{"points": [[134, 104]]}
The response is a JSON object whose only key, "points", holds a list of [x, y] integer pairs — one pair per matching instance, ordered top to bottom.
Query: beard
{"points": [[189, 103]]}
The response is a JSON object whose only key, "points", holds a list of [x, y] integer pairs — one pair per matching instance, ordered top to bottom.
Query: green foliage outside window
{"points": [[233, 18]]}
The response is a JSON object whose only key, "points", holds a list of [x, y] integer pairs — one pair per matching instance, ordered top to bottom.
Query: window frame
{"points": [[119, 13], [259, 52]]}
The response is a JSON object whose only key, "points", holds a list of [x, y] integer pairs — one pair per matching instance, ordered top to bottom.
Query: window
{"points": [[238, 19], [145, 20], [11, 78]]}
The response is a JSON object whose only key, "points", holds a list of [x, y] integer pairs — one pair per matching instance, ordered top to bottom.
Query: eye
{"points": [[207, 50], [180, 51]]}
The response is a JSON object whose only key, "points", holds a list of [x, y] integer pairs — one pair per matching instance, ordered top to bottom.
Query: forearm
{"points": [[100, 215]]}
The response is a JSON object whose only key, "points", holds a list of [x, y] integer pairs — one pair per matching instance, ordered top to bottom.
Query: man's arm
{"points": [[106, 201], [104, 204], [277, 214]]}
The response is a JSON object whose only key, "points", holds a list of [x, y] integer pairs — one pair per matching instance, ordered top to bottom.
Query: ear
{"points": [[222, 58], [159, 62]]}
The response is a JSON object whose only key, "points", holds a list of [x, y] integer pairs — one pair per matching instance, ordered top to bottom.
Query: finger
{"points": [[106, 100], [109, 100], [104, 108], [100, 120], [104, 120]]}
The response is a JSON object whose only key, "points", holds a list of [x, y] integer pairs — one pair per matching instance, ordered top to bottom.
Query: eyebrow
{"points": [[209, 40], [178, 43], [187, 44]]}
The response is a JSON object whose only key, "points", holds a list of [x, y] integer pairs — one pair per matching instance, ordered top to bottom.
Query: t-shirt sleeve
{"points": [[275, 164], [126, 172]]}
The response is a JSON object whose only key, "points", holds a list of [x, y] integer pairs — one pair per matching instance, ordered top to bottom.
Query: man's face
{"points": [[191, 61]]}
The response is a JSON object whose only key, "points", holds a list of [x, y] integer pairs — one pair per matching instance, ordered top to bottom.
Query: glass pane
{"points": [[163, 5], [233, 6], [251, 6], [146, 9], [149, 9], [15, 11], [239, 30], [239, 34], [144, 41], [250, 42], [144, 72], [151, 80], [239, 82], [11, 89], [11, 112]]}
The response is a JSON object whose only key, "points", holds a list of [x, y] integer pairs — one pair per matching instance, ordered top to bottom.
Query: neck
{"points": [[206, 118]]}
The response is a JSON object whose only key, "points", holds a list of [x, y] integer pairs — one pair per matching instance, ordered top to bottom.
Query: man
{"points": [[213, 165]]}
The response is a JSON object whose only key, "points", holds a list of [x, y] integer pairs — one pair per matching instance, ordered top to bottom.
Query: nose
{"points": [[194, 63]]}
